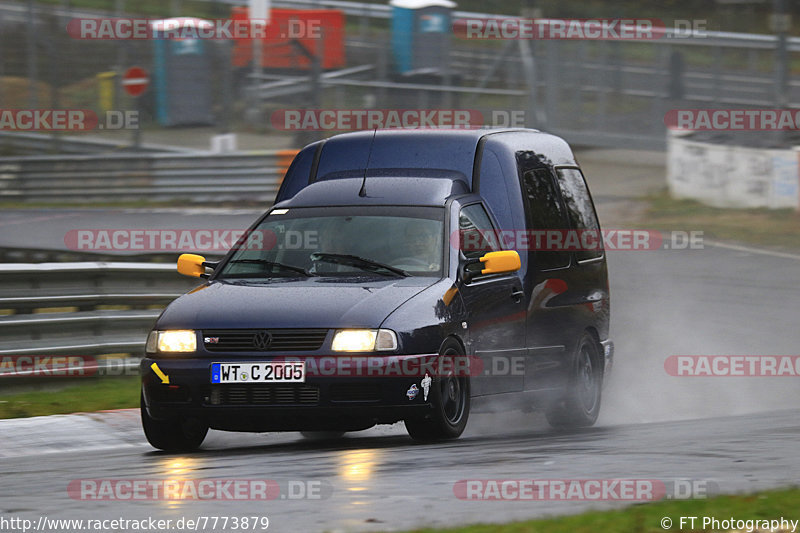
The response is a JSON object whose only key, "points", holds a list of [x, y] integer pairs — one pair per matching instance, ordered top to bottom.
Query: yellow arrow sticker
{"points": [[159, 373]]}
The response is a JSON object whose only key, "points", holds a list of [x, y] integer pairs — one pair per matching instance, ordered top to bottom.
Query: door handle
{"points": [[517, 294]]}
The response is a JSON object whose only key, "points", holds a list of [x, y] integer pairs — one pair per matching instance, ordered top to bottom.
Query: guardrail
{"points": [[39, 143], [195, 177], [54, 255], [86, 309]]}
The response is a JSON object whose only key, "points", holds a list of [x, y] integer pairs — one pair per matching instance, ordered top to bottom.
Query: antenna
{"points": [[363, 192]]}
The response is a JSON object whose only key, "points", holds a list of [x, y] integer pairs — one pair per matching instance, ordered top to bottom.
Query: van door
{"points": [[495, 309], [549, 317]]}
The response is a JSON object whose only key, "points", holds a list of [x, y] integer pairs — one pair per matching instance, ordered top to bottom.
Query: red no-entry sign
{"points": [[135, 81]]}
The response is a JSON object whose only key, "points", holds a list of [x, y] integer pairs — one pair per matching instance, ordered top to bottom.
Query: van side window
{"points": [[494, 190], [544, 212], [581, 212], [477, 236]]}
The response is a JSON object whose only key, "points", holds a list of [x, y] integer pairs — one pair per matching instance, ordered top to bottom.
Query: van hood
{"points": [[312, 303]]}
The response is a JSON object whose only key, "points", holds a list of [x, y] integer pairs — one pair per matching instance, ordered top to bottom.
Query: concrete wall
{"points": [[733, 176]]}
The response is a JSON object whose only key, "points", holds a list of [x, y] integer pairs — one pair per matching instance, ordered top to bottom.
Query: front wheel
{"points": [[449, 397], [580, 405], [172, 435]]}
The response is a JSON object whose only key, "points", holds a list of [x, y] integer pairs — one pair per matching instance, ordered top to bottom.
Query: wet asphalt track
{"points": [[653, 426], [380, 481]]}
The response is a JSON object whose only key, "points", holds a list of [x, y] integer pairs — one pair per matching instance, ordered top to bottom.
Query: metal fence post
{"points": [[781, 55], [32, 56], [121, 56], [781, 63], [552, 88]]}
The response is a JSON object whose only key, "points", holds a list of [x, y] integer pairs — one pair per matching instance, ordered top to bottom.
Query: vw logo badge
{"points": [[262, 339]]}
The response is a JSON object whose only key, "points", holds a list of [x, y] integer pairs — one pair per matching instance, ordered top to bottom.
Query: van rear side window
{"points": [[580, 210], [544, 212]]}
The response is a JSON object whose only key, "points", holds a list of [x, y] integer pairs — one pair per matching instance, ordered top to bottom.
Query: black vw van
{"points": [[400, 275]]}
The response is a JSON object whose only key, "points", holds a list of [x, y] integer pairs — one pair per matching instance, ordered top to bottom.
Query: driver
{"points": [[421, 246]]}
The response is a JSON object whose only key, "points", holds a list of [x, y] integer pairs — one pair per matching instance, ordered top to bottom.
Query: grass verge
{"points": [[771, 228], [95, 394], [646, 518]]}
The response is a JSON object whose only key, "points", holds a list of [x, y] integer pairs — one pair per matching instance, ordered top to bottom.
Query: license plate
{"points": [[260, 372]]}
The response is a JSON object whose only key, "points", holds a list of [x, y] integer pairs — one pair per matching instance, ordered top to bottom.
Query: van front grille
{"points": [[263, 340]]}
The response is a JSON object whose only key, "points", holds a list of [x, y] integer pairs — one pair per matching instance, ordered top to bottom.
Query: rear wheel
{"points": [[450, 398], [581, 404], [172, 435]]}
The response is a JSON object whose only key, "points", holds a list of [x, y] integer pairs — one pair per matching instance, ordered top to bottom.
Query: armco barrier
{"points": [[18, 142], [197, 177], [83, 308]]}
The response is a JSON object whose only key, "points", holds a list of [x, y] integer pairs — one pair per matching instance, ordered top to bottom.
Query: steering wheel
{"points": [[412, 261]]}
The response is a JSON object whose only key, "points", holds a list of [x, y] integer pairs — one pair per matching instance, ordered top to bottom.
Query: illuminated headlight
{"points": [[181, 340], [364, 340]]}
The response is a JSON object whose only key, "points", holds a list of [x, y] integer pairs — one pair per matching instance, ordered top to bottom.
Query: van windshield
{"points": [[341, 242]]}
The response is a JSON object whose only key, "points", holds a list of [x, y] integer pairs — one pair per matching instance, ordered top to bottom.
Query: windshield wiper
{"points": [[358, 262], [280, 266]]}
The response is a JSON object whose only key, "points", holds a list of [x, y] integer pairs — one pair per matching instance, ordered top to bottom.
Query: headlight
{"points": [[180, 340], [363, 340]]}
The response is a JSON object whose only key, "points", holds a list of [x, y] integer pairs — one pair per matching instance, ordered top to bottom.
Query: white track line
{"points": [[748, 249]]}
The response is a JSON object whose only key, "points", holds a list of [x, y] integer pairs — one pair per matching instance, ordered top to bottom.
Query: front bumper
{"points": [[335, 401]]}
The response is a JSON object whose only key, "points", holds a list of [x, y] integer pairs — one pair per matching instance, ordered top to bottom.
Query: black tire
{"points": [[450, 397], [580, 405], [172, 435], [323, 435]]}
